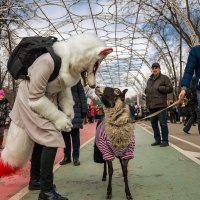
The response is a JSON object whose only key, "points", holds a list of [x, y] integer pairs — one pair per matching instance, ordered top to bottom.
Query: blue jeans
{"points": [[162, 118], [74, 135]]}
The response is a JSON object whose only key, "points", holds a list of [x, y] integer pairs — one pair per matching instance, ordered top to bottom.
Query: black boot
{"points": [[198, 119], [156, 143], [65, 161], [76, 162], [34, 184], [51, 195]]}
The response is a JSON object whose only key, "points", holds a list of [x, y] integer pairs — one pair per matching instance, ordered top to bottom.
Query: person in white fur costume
{"points": [[35, 115]]}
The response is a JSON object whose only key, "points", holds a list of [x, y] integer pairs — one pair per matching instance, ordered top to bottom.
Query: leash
{"points": [[181, 100]]}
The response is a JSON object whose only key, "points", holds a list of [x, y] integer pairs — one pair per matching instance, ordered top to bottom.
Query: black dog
{"points": [[114, 135]]}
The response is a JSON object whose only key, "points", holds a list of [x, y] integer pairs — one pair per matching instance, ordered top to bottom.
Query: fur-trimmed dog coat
{"points": [[115, 134], [109, 152]]}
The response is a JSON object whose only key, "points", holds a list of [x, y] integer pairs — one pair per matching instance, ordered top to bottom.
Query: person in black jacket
{"points": [[192, 68], [158, 86], [191, 106], [80, 111], [4, 115]]}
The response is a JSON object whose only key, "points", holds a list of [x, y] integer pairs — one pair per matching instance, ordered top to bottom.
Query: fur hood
{"points": [[78, 54]]}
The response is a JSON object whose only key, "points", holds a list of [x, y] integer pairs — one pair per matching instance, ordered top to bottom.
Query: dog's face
{"points": [[110, 95]]}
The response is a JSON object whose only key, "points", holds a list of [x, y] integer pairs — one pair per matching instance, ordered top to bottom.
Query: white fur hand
{"points": [[70, 113], [63, 123]]}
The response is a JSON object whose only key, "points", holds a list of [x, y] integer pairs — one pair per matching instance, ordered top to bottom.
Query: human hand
{"points": [[182, 94]]}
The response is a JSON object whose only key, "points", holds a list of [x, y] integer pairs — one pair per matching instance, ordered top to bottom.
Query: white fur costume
{"points": [[35, 116]]}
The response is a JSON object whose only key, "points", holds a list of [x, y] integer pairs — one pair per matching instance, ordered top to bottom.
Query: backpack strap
{"points": [[57, 63]]}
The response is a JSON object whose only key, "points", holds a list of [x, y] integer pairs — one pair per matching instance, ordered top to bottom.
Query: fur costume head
{"points": [[84, 55], [118, 123]]}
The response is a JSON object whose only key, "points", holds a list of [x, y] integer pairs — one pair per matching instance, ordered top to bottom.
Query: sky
{"points": [[115, 28], [115, 32]]}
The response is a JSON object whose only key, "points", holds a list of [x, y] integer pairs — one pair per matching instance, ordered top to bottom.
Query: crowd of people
{"points": [[94, 113]]}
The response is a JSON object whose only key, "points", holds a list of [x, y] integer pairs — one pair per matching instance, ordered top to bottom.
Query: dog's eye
{"points": [[117, 91]]}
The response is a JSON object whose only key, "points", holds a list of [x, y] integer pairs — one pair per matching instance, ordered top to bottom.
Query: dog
{"points": [[35, 114], [114, 135]]}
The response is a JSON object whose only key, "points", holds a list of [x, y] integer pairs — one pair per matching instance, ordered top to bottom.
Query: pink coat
{"points": [[38, 128]]}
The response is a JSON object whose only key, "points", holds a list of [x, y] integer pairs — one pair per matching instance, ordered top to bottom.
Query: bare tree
{"points": [[10, 11], [186, 25]]}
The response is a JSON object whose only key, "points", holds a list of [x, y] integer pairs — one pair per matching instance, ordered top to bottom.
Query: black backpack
{"points": [[27, 51]]}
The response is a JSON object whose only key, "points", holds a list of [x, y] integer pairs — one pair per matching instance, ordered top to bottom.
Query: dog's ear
{"points": [[123, 94]]}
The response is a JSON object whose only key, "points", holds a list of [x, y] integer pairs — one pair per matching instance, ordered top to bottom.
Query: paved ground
{"points": [[188, 143], [155, 173], [17, 184]]}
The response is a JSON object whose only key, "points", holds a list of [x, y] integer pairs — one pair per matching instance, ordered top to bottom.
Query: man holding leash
{"points": [[192, 66], [158, 86]]}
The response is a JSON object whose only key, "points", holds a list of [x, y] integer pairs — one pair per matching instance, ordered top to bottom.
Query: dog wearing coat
{"points": [[35, 115], [114, 135]]}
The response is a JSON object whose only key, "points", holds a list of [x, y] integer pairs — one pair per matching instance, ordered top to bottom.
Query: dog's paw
{"points": [[63, 123]]}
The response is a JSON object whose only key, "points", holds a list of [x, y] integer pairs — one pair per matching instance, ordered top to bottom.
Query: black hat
{"points": [[155, 65]]}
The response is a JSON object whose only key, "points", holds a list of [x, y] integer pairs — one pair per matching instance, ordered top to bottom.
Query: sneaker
{"points": [[155, 143], [164, 144], [65, 161], [76, 162], [51, 195]]}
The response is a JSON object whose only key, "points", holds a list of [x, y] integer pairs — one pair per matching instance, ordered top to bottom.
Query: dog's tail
{"points": [[17, 151]]}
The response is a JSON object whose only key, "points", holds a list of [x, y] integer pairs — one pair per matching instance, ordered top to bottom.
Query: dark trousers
{"points": [[172, 117], [162, 118], [190, 122], [1, 135], [74, 135], [35, 162], [42, 162]]}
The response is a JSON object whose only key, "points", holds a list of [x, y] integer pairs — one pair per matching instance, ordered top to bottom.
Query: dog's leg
{"points": [[124, 164], [121, 166], [104, 171], [110, 172]]}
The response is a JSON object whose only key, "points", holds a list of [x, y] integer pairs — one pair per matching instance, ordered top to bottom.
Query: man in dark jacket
{"points": [[192, 67], [158, 86], [191, 106], [80, 111]]}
